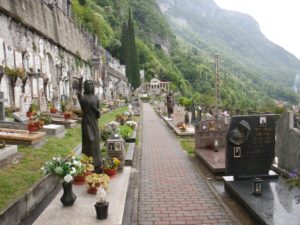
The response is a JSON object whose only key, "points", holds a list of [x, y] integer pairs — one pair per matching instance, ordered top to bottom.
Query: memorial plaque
{"points": [[2, 56], [18, 59], [30, 59], [10, 60], [37, 63], [4, 87], [35, 90], [18, 92], [27, 95], [42, 101], [208, 131], [250, 145]]}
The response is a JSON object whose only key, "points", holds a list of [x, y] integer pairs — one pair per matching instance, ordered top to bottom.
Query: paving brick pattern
{"points": [[171, 191]]}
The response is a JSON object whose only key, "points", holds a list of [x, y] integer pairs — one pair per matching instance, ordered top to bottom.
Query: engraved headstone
{"points": [[9, 53], [2, 56], [178, 114], [208, 131], [250, 145]]}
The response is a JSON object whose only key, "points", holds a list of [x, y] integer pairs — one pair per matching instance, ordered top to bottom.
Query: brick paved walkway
{"points": [[171, 191]]}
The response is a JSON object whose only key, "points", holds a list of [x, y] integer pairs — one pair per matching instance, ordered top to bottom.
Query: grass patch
{"points": [[188, 144], [15, 180]]}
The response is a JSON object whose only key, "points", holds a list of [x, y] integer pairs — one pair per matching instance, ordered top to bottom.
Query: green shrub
{"points": [[126, 131]]}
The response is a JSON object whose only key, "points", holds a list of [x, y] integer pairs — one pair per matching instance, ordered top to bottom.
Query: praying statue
{"points": [[89, 103]]}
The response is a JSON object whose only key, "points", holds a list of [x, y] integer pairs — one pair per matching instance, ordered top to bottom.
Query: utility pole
{"points": [[217, 85]]}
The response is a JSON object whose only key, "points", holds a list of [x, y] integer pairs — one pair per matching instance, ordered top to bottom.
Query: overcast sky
{"points": [[278, 19]]}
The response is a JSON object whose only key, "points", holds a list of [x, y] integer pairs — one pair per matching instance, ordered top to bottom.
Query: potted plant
{"points": [[52, 108], [32, 110], [67, 115], [45, 118], [33, 126], [110, 165], [65, 170], [94, 181], [101, 205]]}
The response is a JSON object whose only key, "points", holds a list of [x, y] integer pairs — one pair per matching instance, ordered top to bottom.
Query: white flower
{"points": [[116, 135], [54, 158], [77, 163], [73, 171], [68, 178], [101, 195]]}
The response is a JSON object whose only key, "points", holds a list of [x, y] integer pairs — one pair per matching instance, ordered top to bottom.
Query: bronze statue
{"points": [[170, 104], [89, 125]]}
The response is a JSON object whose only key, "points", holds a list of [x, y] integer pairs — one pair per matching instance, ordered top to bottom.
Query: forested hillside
{"points": [[245, 51], [186, 60]]}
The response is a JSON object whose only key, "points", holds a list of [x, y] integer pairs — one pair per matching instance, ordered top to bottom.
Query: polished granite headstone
{"points": [[207, 132], [250, 145], [277, 205]]}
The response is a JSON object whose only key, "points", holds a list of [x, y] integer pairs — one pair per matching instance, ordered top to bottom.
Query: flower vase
{"points": [[68, 197], [102, 210]]}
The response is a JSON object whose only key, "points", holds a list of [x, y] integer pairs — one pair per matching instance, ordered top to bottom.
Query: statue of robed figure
{"points": [[89, 103]]}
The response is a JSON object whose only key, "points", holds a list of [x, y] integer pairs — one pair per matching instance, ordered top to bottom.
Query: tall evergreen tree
{"points": [[128, 54]]}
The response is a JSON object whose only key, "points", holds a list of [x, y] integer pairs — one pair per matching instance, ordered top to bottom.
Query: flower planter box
{"points": [[53, 110], [30, 114], [33, 126], [110, 172], [79, 180], [92, 189]]}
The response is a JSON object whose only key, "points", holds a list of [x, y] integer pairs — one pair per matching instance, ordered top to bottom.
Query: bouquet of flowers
{"points": [[110, 129], [110, 163], [64, 169]]}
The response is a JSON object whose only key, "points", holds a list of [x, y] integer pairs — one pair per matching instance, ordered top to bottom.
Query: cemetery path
{"points": [[171, 190]]}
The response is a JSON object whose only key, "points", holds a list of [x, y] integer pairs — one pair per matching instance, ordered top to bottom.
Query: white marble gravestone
{"points": [[9, 53], [2, 56], [18, 59], [4, 87], [18, 92]]}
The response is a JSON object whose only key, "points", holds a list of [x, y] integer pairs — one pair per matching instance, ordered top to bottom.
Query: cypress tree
{"points": [[128, 52]]}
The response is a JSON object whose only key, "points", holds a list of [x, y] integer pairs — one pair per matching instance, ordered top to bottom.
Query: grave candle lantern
{"points": [[257, 186]]}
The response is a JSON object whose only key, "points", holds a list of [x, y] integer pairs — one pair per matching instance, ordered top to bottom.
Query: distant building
{"points": [[155, 86]]}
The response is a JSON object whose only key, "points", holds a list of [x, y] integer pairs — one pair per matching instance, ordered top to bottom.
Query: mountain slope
{"points": [[236, 37]]}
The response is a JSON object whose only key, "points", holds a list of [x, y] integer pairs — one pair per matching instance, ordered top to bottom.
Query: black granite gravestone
{"points": [[250, 145]]}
